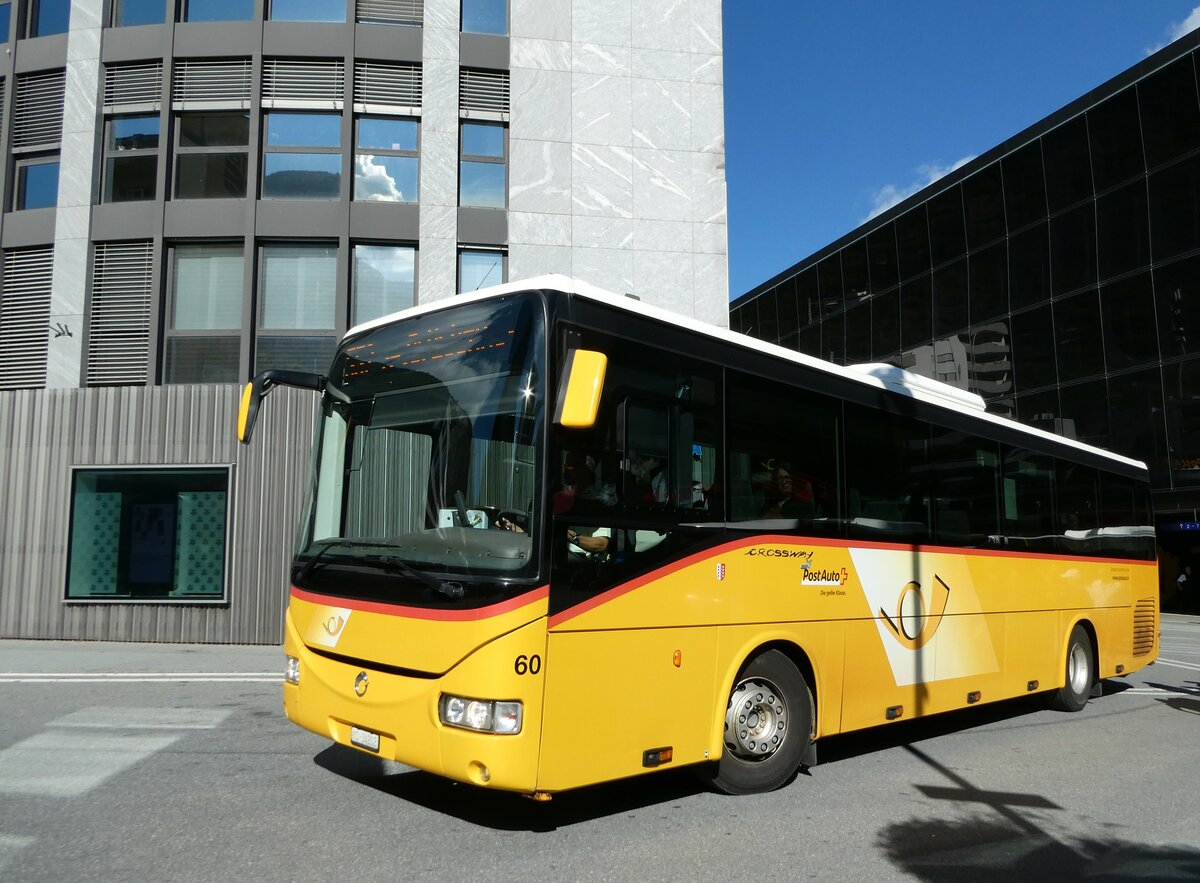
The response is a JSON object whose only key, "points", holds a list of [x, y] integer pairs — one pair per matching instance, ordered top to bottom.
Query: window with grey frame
{"points": [[216, 10], [307, 10], [130, 13], [410, 13], [46, 17], [485, 17], [5, 22], [36, 138], [211, 154], [302, 155], [130, 157], [386, 159], [483, 164], [481, 268], [383, 281], [297, 306], [204, 312]]}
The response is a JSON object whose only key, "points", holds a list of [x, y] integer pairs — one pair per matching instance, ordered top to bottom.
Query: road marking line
{"points": [[1190, 666], [1154, 691], [108, 718], [65, 764]]}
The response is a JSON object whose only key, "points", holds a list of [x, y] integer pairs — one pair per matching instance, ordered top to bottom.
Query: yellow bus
{"points": [[557, 537]]}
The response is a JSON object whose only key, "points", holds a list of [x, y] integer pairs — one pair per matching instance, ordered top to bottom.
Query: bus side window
{"points": [[887, 471], [1028, 500]]}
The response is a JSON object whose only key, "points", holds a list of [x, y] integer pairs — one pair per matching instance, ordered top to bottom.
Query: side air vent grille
{"points": [[1145, 619]]}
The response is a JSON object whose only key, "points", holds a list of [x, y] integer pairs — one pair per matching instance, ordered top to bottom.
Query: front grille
{"points": [[1145, 619]]}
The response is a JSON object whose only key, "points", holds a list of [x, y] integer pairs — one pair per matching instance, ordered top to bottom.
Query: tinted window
{"points": [[137, 12], [1170, 114], [1116, 140], [1068, 164], [1024, 186], [983, 200], [1174, 209], [1122, 230], [947, 239], [912, 242], [881, 249], [1073, 249], [1029, 266], [855, 275], [829, 277], [989, 283], [808, 297], [1177, 297], [950, 298], [785, 306], [916, 312], [768, 316], [885, 324], [1077, 331], [858, 334], [1130, 336], [833, 345], [1033, 349], [991, 361], [1182, 391], [1083, 408], [1040, 409], [1135, 419], [886, 476], [1027, 500], [1077, 502], [966, 504], [1125, 518]]}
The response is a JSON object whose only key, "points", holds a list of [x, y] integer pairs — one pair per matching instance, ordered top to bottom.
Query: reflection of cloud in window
{"points": [[372, 181]]}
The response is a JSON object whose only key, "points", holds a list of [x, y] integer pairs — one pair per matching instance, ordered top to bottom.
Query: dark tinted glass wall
{"points": [[1059, 280]]}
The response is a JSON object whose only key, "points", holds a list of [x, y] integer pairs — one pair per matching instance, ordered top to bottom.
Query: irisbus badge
{"points": [[720, 572]]}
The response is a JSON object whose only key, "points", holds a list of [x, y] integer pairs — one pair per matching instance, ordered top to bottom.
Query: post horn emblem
{"points": [[333, 625], [360, 684]]}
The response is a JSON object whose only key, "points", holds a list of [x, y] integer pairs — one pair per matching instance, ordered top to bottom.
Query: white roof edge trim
{"points": [[901, 381], [925, 390]]}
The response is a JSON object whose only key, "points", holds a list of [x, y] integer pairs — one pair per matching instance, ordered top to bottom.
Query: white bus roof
{"points": [[880, 376]]}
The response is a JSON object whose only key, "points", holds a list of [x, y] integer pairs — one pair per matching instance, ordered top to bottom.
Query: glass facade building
{"points": [[1056, 275]]}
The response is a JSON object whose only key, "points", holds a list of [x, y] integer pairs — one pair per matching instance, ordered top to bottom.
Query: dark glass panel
{"points": [[138, 12], [48, 17], [5, 21], [1170, 113], [220, 129], [133, 132], [1116, 140], [1068, 164], [210, 175], [302, 176], [129, 178], [37, 185], [1024, 186], [983, 200], [1175, 210], [1122, 230], [947, 239], [912, 242], [881, 248], [1073, 249], [1029, 266], [855, 276], [829, 277], [988, 280], [808, 298], [950, 298], [1177, 298], [785, 306], [916, 312], [736, 316], [768, 316], [749, 317], [885, 324], [1077, 332], [858, 334], [1130, 336], [806, 341], [833, 343], [1033, 349], [310, 354], [202, 360], [950, 360], [991, 374], [1181, 386], [1084, 407], [1039, 409], [1136, 421], [886, 475], [1027, 500], [1077, 501], [1125, 504]]}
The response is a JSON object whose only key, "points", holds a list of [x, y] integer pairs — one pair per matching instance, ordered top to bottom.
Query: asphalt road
{"points": [[146, 762]]}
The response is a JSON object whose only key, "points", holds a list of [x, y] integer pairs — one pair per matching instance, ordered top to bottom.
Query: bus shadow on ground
{"points": [[505, 811], [983, 849]]}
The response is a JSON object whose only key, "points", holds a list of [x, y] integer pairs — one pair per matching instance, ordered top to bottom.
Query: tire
{"points": [[1080, 673], [765, 740]]}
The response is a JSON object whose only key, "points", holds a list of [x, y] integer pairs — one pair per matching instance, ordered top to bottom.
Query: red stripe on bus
{"points": [[786, 540], [538, 594]]}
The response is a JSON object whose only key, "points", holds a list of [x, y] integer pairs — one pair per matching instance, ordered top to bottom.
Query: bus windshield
{"points": [[428, 443]]}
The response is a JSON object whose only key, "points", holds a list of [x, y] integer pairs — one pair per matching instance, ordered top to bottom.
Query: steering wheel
{"points": [[513, 516]]}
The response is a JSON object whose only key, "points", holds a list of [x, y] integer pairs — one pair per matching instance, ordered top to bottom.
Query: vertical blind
{"points": [[25, 317]]}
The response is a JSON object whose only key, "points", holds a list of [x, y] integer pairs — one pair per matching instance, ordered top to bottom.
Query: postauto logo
{"points": [[917, 617]]}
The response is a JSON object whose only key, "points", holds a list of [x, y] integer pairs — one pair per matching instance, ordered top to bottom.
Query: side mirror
{"points": [[256, 390], [579, 394]]}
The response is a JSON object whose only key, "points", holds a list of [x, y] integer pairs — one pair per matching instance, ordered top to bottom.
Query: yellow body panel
{"points": [[649, 664]]}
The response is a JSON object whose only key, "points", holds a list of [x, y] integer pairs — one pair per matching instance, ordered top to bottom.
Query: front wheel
{"points": [[1081, 673], [768, 727]]}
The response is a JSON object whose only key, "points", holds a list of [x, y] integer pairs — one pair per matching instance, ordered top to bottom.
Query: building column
{"points": [[438, 255]]}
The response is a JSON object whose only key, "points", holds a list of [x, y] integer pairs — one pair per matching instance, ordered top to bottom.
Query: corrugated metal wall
{"points": [[44, 433]]}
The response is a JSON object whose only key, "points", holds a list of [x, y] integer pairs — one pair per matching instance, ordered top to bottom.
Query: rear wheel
{"points": [[1081, 673], [768, 726]]}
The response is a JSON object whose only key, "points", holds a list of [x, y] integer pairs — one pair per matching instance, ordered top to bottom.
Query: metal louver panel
{"points": [[390, 12], [289, 82], [224, 83], [133, 87], [384, 87], [483, 93], [38, 110], [25, 317], [119, 322], [1144, 620]]}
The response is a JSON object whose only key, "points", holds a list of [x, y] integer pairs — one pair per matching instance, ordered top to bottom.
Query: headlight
{"points": [[291, 672], [482, 715]]}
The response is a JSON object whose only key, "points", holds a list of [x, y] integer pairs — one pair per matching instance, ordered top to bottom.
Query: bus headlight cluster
{"points": [[291, 672], [483, 715]]}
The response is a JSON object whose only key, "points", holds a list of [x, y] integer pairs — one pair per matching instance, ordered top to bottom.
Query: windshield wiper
{"points": [[452, 590]]}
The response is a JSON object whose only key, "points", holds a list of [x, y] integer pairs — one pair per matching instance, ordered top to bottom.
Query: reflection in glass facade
{"points": [[1058, 278]]}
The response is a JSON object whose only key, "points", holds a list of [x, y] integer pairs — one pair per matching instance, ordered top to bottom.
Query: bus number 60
{"points": [[528, 664]]}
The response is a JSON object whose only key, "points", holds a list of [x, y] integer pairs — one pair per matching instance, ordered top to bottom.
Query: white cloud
{"points": [[1178, 29], [372, 181], [889, 195]]}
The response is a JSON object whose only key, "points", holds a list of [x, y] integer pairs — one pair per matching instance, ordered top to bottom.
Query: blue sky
{"points": [[833, 109]]}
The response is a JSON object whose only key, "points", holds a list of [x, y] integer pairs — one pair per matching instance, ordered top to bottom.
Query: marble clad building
{"points": [[200, 189]]}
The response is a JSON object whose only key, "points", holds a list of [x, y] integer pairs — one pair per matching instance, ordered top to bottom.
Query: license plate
{"points": [[364, 739]]}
